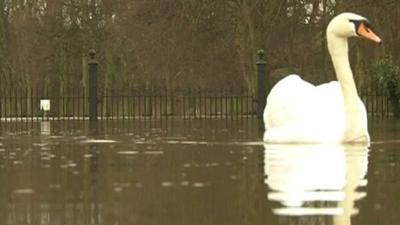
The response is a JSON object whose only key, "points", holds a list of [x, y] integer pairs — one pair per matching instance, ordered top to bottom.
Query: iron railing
{"points": [[25, 105]]}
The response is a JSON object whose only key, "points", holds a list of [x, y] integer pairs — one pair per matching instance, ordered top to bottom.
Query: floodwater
{"points": [[204, 172]]}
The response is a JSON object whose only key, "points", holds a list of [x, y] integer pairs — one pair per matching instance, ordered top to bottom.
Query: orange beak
{"points": [[367, 33]]}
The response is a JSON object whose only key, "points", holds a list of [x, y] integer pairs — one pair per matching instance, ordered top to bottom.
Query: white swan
{"points": [[299, 112]]}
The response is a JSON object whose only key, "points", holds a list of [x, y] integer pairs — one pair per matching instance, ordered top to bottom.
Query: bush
{"points": [[388, 75]]}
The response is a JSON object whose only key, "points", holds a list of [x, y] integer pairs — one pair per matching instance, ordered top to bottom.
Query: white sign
{"points": [[45, 104]]}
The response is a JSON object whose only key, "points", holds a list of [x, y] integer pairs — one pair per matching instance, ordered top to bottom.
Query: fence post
{"points": [[92, 63], [261, 85]]}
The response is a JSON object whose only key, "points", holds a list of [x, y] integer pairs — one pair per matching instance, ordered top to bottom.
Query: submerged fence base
{"points": [[39, 119]]}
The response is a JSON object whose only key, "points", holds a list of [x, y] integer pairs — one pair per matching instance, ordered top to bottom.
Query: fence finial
{"points": [[260, 54], [92, 55]]}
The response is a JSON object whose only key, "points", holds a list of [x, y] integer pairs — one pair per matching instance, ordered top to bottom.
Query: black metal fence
{"points": [[376, 102], [18, 104], [25, 105]]}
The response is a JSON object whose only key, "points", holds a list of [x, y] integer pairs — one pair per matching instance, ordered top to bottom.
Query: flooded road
{"points": [[192, 172]]}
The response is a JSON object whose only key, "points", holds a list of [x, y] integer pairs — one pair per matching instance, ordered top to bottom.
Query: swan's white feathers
{"points": [[286, 98], [291, 116]]}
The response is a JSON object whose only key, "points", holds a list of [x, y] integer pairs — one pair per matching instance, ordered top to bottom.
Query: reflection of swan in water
{"points": [[316, 179]]}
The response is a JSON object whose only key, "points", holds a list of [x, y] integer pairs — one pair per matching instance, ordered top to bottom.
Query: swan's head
{"points": [[347, 25]]}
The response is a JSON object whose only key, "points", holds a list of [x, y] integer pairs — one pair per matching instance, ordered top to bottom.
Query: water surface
{"points": [[192, 172]]}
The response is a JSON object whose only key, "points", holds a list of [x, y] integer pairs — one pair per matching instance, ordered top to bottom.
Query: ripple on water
{"points": [[98, 141], [391, 141], [188, 142], [40, 144], [45, 148], [128, 152], [88, 155], [46, 156], [72, 164], [185, 183], [167, 184], [199, 184], [54, 186], [119, 187], [26, 191]]}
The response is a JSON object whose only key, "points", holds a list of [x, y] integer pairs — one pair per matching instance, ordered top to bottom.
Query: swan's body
{"points": [[314, 107], [299, 112]]}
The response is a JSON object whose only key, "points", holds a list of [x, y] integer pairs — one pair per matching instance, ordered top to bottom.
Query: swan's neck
{"points": [[338, 49]]}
